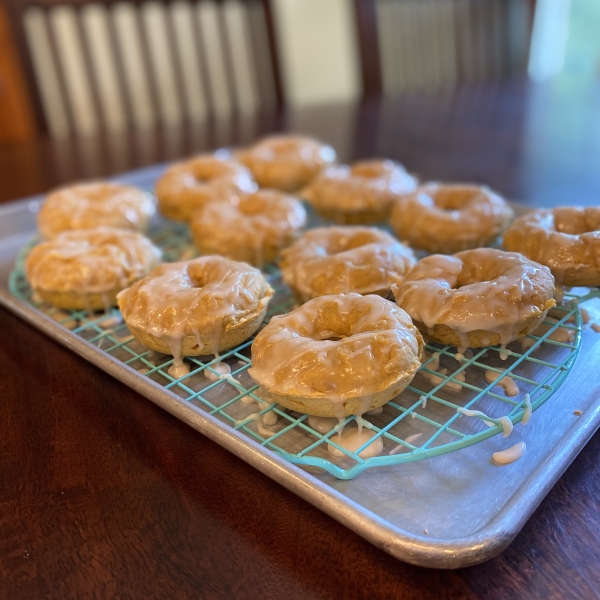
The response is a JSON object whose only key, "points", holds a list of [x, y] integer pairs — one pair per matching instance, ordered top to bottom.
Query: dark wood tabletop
{"points": [[104, 495]]}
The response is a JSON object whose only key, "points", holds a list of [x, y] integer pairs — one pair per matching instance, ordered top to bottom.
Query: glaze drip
{"points": [[485, 291], [295, 354], [352, 440], [510, 455]]}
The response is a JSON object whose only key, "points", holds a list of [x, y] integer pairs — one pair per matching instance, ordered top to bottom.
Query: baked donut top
{"points": [[295, 148], [287, 162], [205, 170], [367, 184], [95, 204], [266, 212], [440, 217], [565, 238], [91, 260], [337, 260], [482, 289], [205, 294], [338, 346]]}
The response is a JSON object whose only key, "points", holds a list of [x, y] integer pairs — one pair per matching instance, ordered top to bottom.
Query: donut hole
{"points": [[278, 148], [372, 170], [204, 171], [96, 193], [451, 198], [255, 204], [575, 221], [346, 243], [477, 268], [198, 276], [333, 323]]}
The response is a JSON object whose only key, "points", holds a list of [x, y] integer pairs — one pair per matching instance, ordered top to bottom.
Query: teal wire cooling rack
{"points": [[422, 422]]}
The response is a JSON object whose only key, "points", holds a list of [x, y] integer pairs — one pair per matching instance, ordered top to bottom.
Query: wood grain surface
{"points": [[104, 495]]}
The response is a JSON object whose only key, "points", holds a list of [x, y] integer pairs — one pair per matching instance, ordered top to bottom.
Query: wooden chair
{"points": [[415, 45], [112, 65]]}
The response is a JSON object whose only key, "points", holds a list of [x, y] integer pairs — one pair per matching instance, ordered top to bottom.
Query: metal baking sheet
{"points": [[452, 511]]}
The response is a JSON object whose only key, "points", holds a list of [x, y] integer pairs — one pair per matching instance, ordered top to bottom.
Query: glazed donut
{"points": [[287, 163], [187, 186], [361, 193], [95, 204], [448, 218], [251, 228], [566, 239], [337, 260], [86, 268], [477, 298], [197, 307], [337, 355]]}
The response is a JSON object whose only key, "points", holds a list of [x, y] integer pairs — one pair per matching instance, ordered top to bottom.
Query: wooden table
{"points": [[104, 495]]}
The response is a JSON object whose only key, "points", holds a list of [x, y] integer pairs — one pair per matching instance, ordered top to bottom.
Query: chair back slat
{"points": [[65, 37], [414, 45], [190, 57], [112, 65], [106, 66], [162, 67], [45, 73], [266, 77]]}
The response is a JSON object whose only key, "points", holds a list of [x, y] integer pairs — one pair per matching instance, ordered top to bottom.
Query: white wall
{"points": [[318, 50]]}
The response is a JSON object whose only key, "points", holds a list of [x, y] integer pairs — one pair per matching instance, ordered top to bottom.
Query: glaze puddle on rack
{"points": [[470, 507]]}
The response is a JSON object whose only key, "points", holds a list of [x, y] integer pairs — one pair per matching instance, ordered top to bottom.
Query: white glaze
{"points": [[368, 185], [95, 204], [445, 217], [248, 227], [565, 238], [335, 260], [91, 261], [479, 290], [559, 293], [201, 298], [112, 322], [561, 334], [295, 355], [221, 368], [178, 369], [435, 379], [508, 384], [454, 386], [527, 410], [472, 413], [257, 418], [270, 418], [504, 422], [322, 424], [507, 426], [352, 440], [409, 440], [510, 455]]}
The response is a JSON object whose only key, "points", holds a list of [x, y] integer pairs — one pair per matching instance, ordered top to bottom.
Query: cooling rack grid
{"points": [[422, 422]]}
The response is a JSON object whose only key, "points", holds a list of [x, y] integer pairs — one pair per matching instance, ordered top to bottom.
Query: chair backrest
{"points": [[414, 45], [95, 65]]}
